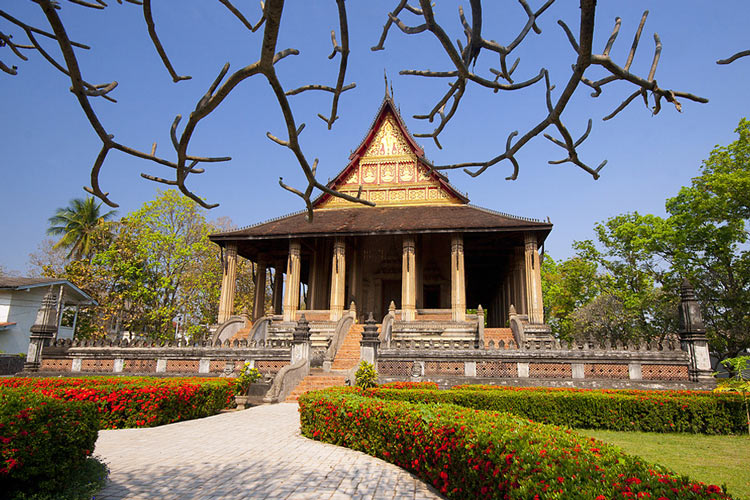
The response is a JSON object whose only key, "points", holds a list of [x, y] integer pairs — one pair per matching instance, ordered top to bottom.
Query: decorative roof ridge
{"points": [[504, 214], [250, 226]]}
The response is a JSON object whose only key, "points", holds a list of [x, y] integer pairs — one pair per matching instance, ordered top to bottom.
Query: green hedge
{"points": [[647, 411], [42, 440], [467, 453]]}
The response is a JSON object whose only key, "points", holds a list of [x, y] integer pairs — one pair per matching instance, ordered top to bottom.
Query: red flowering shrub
{"points": [[409, 385], [137, 401], [648, 411], [42, 440], [468, 453]]}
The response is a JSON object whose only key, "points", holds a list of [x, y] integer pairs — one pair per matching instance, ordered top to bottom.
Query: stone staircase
{"points": [[496, 335], [346, 358], [318, 379]]}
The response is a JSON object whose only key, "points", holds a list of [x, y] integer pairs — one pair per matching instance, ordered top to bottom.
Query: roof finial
{"points": [[385, 75]]}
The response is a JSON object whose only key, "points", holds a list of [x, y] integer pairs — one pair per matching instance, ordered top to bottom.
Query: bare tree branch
{"points": [[733, 58], [461, 71]]}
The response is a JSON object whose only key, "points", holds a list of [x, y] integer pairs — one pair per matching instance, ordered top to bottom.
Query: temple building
{"points": [[438, 266]]}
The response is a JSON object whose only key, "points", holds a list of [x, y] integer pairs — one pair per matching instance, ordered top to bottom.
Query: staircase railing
{"points": [[286, 380]]}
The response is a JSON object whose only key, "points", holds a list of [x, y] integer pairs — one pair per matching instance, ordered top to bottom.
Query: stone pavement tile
{"points": [[256, 453]]}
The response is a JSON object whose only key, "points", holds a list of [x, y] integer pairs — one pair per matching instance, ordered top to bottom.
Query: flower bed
{"points": [[136, 401], [647, 411], [42, 439], [467, 453]]}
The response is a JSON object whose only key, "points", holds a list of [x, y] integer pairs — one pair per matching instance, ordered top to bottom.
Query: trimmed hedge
{"points": [[124, 402], [647, 411], [42, 440], [468, 453]]}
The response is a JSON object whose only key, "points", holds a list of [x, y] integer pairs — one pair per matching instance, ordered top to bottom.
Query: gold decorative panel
{"points": [[390, 174]]}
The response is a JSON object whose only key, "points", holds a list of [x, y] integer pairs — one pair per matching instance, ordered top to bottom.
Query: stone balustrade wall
{"points": [[166, 358], [449, 363]]}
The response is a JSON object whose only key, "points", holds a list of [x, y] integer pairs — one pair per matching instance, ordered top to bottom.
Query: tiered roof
{"points": [[388, 168]]}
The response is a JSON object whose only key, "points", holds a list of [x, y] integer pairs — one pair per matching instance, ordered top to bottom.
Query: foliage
{"points": [[76, 225], [708, 242], [642, 259], [153, 272], [566, 286], [366, 376], [246, 378], [738, 383], [409, 385], [124, 402], [648, 411], [42, 440], [466, 453], [82, 484]]}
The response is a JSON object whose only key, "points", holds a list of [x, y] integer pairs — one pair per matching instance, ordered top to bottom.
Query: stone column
{"points": [[338, 279], [458, 279], [408, 280], [228, 283], [278, 289], [291, 290], [518, 295], [259, 304], [535, 308], [43, 329], [693, 335], [368, 346]]}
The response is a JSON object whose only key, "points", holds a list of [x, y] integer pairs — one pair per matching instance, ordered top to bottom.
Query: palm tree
{"points": [[76, 224]]}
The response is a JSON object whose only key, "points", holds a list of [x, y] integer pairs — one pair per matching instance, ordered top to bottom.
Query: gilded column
{"points": [[338, 279], [458, 279], [408, 280], [533, 281], [228, 283], [291, 290], [259, 304]]}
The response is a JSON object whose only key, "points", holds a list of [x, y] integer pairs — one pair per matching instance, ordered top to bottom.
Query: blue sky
{"points": [[48, 147]]}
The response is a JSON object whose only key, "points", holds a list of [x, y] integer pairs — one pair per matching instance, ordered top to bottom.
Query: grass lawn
{"points": [[710, 459]]}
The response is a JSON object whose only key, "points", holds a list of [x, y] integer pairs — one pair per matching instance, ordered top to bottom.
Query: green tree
{"points": [[75, 224], [707, 242], [643, 258], [152, 268], [567, 286]]}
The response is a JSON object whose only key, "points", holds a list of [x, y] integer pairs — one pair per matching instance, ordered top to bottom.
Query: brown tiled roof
{"points": [[386, 220]]}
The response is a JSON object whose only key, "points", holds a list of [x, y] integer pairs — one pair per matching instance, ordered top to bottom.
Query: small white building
{"points": [[21, 298]]}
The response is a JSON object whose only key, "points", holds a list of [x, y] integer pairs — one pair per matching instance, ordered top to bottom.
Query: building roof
{"points": [[387, 220], [73, 294]]}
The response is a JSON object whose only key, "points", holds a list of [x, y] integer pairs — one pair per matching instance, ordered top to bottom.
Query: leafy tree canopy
{"points": [[627, 282]]}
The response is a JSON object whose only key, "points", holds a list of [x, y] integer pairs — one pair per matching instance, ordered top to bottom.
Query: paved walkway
{"points": [[255, 453]]}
